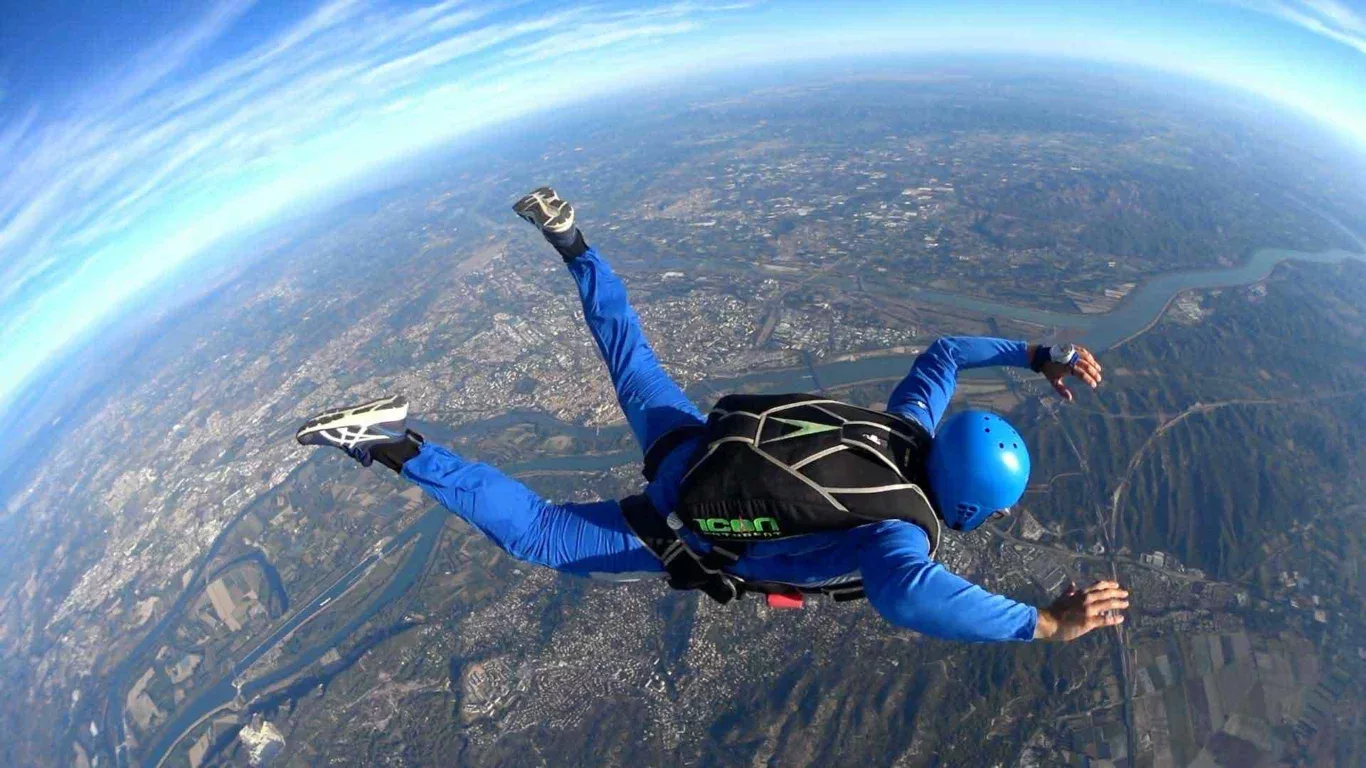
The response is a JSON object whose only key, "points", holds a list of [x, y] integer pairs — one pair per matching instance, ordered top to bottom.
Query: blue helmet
{"points": [[978, 464]]}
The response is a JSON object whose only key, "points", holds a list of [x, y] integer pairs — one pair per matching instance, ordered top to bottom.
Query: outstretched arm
{"points": [[925, 392], [911, 590]]}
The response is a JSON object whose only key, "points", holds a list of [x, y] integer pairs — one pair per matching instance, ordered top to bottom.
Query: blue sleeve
{"points": [[925, 392], [911, 590]]}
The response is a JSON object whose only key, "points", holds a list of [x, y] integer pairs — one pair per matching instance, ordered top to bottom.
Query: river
{"points": [[1138, 311], [427, 529]]}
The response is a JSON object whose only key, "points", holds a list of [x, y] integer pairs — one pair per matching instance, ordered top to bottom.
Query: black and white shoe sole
{"points": [[544, 208], [378, 420]]}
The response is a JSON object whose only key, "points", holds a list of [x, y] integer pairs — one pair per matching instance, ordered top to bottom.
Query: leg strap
{"points": [[687, 570], [706, 572]]}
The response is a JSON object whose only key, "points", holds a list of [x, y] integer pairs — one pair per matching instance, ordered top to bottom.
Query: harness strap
{"points": [[719, 558], [686, 569], [689, 570], [845, 592], [840, 593]]}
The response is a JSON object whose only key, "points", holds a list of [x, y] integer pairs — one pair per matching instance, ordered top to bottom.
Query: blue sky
{"points": [[135, 134]]}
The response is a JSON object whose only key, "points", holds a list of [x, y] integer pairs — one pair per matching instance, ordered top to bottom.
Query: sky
{"points": [[134, 135]]}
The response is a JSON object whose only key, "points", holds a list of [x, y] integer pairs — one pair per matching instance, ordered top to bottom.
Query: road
{"points": [[1110, 527]]}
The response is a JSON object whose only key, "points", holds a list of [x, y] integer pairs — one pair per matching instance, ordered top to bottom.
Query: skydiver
{"points": [[779, 494]]}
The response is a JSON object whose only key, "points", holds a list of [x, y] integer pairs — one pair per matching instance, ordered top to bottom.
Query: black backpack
{"points": [[775, 466]]}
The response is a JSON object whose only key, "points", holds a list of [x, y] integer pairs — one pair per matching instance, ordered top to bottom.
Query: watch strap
{"points": [[1041, 355]]}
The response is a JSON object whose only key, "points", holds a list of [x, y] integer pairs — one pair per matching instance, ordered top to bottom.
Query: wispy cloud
{"points": [[1328, 18], [155, 64], [109, 188]]}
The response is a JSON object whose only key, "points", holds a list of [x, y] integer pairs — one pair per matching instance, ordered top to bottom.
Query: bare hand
{"points": [[1085, 367], [1077, 612]]}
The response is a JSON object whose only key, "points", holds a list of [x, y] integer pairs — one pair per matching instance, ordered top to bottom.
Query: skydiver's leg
{"points": [[652, 402], [654, 405], [583, 539]]}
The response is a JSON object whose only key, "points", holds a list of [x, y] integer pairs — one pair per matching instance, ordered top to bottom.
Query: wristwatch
{"points": [[1065, 354]]}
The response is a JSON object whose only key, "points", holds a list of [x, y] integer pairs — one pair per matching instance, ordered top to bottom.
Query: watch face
{"points": [[1064, 353]]}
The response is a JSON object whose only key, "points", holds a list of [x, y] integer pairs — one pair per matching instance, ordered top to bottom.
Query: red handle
{"points": [[787, 601]]}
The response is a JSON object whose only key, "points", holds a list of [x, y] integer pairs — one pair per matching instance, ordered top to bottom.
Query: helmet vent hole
{"points": [[988, 429], [1000, 445], [1014, 445]]}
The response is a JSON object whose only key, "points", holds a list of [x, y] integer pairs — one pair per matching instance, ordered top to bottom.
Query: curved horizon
{"points": [[218, 124]]}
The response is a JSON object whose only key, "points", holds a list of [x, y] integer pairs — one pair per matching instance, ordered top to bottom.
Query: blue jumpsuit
{"points": [[892, 557]]}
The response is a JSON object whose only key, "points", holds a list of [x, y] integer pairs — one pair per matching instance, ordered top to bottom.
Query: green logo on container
{"points": [[804, 428], [740, 527]]}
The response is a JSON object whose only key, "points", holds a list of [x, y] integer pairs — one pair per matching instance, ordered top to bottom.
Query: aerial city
{"points": [[764, 383]]}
